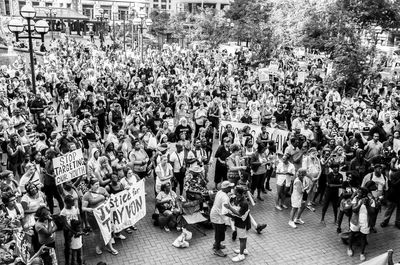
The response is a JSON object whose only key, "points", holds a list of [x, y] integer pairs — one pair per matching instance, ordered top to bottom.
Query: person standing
{"points": [[221, 169], [284, 173], [334, 181], [297, 199], [393, 200], [241, 216], [218, 217]]}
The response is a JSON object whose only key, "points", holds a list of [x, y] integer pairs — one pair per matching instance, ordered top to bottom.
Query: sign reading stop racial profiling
{"points": [[69, 166]]}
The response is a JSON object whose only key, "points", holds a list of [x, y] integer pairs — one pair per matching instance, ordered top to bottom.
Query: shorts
{"points": [[280, 179], [364, 229], [241, 232]]}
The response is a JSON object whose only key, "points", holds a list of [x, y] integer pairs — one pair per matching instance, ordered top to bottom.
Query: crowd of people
{"points": [[159, 120]]}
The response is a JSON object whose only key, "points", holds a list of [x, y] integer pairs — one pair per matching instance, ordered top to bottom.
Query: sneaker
{"points": [[259, 198], [284, 206], [278, 207], [309, 207], [299, 221], [292, 224], [383, 224], [260, 228], [166, 229], [338, 230], [373, 230], [121, 236], [220, 247], [245, 252], [350, 252], [219, 253], [362, 257], [238, 258]]}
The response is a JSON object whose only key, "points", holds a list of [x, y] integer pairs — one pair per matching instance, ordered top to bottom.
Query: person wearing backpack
{"points": [[382, 186]]}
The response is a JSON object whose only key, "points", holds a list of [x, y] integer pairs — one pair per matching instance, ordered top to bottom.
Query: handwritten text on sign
{"points": [[278, 136], [69, 166], [128, 207], [121, 211], [103, 217]]}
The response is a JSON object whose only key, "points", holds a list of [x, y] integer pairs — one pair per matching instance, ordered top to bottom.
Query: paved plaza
{"points": [[311, 243]]}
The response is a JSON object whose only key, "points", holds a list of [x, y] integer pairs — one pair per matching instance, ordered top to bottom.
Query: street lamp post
{"points": [[52, 14], [102, 17], [141, 22], [16, 26]]}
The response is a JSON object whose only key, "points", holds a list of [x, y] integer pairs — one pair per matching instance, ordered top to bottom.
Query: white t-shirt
{"points": [[177, 160], [218, 211], [70, 214], [76, 242]]}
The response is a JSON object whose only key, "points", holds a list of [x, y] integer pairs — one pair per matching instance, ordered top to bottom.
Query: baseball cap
{"points": [[226, 184]]}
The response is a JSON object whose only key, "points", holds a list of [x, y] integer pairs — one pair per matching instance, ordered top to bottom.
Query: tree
{"points": [[160, 22], [251, 24], [210, 27]]}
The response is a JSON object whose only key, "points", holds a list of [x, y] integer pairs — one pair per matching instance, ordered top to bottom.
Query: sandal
{"points": [[98, 251], [113, 251]]}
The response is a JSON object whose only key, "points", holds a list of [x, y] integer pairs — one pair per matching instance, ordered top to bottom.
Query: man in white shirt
{"points": [[177, 161], [218, 217]]}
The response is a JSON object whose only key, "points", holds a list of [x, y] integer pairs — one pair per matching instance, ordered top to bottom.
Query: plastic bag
{"points": [[180, 242]]}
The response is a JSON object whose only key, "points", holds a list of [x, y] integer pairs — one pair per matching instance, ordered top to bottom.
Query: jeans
{"points": [[256, 183], [331, 196], [389, 211], [219, 236], [67, 245], [76, 257]]}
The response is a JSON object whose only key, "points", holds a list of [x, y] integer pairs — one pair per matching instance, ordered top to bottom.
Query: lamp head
{"points": [[28, 12], [142, 14], [137, 21], [15, 26], [41, 27]]}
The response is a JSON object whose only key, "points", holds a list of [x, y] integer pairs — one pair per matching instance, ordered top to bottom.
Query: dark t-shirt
{"points": [[243, 208]]}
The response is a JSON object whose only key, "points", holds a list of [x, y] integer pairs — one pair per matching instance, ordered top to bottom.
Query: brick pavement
{"points": [[311, 243]]}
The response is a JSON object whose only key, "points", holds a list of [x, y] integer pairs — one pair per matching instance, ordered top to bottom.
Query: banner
{"points": [[263, 75], [301, 77], [279, 136], [69, 166], [128, 207], [121, 211], [103, 217], [23, 246]]}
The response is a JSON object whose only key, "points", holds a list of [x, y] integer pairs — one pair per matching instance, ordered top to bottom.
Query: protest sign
{"points": [[274, 68], [263, 75], [301, 77], [171, 124], [276, 135], [69, 166], [128, 207], [121, 211], [103, 217], [23, 246]]}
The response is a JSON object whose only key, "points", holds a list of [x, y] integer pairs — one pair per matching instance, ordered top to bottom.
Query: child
{"points": [[68, 214], [76, 242]]}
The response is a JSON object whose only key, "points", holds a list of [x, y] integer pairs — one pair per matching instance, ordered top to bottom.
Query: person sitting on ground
{"points": [[167, 207]]}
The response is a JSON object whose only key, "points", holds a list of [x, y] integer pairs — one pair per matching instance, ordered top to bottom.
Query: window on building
{"points": [[163, 1], [35, 3], [49, 4], [68, 5], [155, 6], [163, 6], [87, 10], [122, 13]]}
